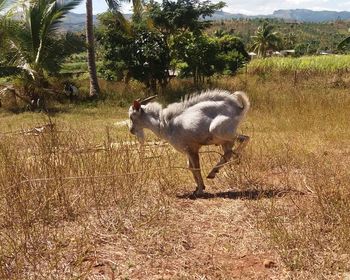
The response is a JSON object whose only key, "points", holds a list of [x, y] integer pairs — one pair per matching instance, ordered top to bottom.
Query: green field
{"points": [[322, 64]]}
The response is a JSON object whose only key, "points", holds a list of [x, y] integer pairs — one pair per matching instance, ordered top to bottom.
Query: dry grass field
{"points": [[80, 200]]}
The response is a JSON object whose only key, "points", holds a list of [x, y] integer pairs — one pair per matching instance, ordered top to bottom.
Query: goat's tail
{"points": [[244, 100]]}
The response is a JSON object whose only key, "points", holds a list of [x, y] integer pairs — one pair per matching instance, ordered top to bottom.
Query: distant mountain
{"points": [[299, 15], [304, 15], [76, 22]]}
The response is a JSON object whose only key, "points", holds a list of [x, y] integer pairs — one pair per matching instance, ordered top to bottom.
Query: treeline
{"points": [[306, 38], [163, 39], [160, 41]]}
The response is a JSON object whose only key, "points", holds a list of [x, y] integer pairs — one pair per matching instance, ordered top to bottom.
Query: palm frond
{"points": [[4, 4], [113, 5], [137, 9], [55, 12], [51, 14], [123, 22], [344, 44], [22, 60]]}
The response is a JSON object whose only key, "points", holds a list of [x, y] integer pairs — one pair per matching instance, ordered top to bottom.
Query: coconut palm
{"points": [[114, 6], [4, 22], [265, 39], [90, 41], [31, 42], [344, 44], [33, 47], [94, 87]]}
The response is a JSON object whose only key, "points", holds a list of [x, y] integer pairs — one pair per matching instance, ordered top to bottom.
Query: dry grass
{"points": [[74, 205]]}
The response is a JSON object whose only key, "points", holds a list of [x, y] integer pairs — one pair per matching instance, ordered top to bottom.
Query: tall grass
{"points": [[322, 64], [83, 191]]}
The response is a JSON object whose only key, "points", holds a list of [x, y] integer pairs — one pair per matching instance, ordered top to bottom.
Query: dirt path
{"points": [[214, 238]]}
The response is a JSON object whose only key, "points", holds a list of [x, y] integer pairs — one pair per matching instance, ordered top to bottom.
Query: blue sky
{"points": [[252, 7]]}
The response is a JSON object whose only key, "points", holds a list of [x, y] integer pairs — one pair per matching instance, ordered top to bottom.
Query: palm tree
{"points": [[112, 5], [4, 22], [264, 39], [31, 41], [32, 44], [344, 44], [94, 87]]}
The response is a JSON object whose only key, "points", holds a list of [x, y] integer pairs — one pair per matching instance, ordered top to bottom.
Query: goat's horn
{"points": [[148, 99]]}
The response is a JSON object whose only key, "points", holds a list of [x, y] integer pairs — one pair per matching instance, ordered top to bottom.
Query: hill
{"points": [[298, 15], [304, 15], [76, 22]]}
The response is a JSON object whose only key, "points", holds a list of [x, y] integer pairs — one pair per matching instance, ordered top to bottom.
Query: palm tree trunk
{"points": [[94, 87]]}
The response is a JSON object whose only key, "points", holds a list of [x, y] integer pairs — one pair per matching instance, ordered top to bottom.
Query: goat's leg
{"points": [[243, 141], [228, 153], [225, 158], [194, 165]]}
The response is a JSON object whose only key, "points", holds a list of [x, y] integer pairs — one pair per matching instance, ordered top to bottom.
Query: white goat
{"points": [[211, 117]]}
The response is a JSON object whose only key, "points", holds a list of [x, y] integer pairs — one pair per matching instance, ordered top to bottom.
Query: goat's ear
{"points": [[137, 105]]}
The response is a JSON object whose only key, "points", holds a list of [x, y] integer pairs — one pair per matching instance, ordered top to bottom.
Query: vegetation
{"points": [[165, 36], [310, 37], [265, 40], [90, 42], [33, 49], [308, 64], [79, 199], [84, 201]]}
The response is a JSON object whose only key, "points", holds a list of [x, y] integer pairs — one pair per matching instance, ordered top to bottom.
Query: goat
{"points": [[211, 117]]}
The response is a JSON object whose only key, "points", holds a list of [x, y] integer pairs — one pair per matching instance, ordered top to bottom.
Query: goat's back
{"points": [[212, 101]]}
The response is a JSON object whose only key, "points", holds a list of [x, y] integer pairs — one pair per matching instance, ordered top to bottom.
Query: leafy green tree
{"points": [[171, 17], [182, 23], [5, 26], [265, 39], [289, 40], [34, 41], [144, 48], [307, 48], [133, 49], [199, 52], [232, 54], [204, 56], [150, 59]]}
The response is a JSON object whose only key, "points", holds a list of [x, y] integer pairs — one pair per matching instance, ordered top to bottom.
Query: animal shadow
{"points": [[251, 194]]}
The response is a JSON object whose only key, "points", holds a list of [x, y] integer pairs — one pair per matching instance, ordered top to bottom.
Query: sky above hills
{"points": [[251, 7]]}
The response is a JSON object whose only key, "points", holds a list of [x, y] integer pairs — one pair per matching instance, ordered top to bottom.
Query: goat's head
{"points": [[137, 117]]}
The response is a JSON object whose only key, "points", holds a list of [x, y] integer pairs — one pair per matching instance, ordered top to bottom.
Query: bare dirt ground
{"points": [[215, 238]]}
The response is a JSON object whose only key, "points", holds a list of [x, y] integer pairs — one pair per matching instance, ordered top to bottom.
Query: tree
{"points": [[113, 5], [171, 17], [182, 23], [265, 39], [289, 40], [344, 44], [144, 47], [34, 49], [134, 49], [199, 52], [232, 54], [204, 56], [94, 87]]}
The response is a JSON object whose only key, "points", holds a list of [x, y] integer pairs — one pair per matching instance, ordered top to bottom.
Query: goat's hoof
{"points": [[198, 193]]}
